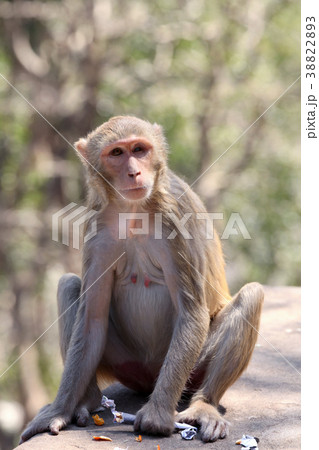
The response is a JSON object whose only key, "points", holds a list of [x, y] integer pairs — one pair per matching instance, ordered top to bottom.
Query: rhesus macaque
{"points": [[153, 313]]}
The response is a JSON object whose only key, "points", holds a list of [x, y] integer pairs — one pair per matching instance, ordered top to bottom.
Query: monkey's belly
{"points": [[140, 330], [136, 375], [141, 378]]}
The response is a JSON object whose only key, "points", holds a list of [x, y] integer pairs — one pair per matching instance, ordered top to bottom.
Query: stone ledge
{"points": [[264, 402]]}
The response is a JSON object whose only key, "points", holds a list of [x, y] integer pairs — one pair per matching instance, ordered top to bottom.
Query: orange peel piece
{"points": [[98, 420], [101, 438], [139, 438]]}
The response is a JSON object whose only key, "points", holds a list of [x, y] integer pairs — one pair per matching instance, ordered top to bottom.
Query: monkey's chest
{"points": [[141, 266], [141, 307]]}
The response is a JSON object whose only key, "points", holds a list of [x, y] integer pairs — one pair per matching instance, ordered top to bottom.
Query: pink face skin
{"points": [[129, 163]]}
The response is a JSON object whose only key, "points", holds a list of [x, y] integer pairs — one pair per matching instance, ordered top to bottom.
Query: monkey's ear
{"points": [[157, 128], [159, 134], [81, 147]]}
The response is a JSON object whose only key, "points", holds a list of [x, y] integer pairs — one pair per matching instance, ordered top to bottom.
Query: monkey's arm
{"points": [[190, 332], [88, 338], [84, 353]]}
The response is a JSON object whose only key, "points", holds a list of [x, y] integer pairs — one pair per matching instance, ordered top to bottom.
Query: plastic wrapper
{"points": [[188, 431], [248, 442]]}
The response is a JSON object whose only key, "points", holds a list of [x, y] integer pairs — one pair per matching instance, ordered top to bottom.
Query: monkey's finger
{"points": [[208, 429], [219, 430], [211, 431], [224, 431]]}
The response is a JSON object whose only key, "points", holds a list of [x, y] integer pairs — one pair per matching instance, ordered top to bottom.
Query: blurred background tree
{"points": [[205, 71]]}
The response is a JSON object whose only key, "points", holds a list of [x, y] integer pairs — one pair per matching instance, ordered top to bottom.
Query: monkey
{"points": [[153, 309]]}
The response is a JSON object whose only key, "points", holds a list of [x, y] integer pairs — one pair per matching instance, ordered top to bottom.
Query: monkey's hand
{"points": [[49, 418], [152, 419], [212, 425]]}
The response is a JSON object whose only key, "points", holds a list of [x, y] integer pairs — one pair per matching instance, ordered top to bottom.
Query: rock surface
{"points": [[264, 402]]}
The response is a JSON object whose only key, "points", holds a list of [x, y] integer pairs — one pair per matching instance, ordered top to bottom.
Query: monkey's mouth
{"points": [[134, 188], [135, 192]]}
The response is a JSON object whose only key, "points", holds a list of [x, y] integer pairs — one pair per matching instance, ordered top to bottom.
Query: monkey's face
{"points": [[128, 153], [129, 164]]}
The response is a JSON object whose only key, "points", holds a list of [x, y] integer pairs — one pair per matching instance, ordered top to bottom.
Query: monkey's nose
{"points": [[134, 174]]}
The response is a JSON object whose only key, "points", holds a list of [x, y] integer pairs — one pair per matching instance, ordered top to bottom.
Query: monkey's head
{"points": [[125, 158]]}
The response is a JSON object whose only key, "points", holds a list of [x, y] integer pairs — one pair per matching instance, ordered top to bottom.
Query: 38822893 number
{"points": [[311, 51]]}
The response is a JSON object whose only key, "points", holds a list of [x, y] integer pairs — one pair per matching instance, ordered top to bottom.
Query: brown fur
{"points": [[151, 335]]}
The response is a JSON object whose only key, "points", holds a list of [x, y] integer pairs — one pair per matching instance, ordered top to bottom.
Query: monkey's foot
{"points": [[89, 403], [48, 419], [153, 420], [212, 425]]}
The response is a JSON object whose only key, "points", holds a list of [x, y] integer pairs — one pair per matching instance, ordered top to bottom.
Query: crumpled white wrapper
{"points": [[188, 431], [248, 442]]}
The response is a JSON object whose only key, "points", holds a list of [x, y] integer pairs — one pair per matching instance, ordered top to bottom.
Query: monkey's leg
{"points": [[69, 291], [226, 354]]}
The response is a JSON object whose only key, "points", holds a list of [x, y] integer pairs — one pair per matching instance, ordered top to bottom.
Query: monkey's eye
{"points": [[138, 149], [116, 151]]}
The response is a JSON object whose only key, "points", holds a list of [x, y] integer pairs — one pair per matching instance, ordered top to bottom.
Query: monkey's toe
{"points": [[82, 416], [57, 424], [29, 433]]}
